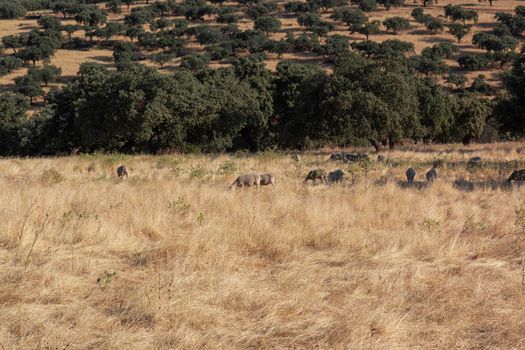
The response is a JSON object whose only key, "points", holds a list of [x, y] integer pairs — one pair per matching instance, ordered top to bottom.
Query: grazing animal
{"points": [[337, 156], [297, 157], [349, 157], [355, 157], [381, 158], [474, 161], [122, 171], [316, 174], [411, 174], [432, 174], [517, 175], [336, 176], [267, 179], [246, 180]]}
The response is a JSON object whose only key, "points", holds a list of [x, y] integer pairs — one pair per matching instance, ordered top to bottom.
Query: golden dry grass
{"points": [[171, 260]]}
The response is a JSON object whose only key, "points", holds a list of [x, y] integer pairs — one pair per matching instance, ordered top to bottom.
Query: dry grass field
{"points": [[169, 259]]}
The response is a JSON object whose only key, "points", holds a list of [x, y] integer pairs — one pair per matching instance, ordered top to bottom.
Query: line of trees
{"points": [[377, 102]]}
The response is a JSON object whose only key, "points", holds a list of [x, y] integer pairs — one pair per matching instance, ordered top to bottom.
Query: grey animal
{"points": [[337, 156], [297, 157], [349, 157], [355, 157], [381, 158], [474, 161], [122, 171], [316, 174], [411, 174], [432, 174], [517, 175], [336, 176], [267, 179], [246, 180]]}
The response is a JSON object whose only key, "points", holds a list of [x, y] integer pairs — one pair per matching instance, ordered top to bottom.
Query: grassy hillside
{"points": [[69, 60], [169, 259]]}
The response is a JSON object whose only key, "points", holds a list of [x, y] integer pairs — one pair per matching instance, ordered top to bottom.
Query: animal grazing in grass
{"points": [[297, 157], [349, 157], [381, 158], [475, 160], [122, 171], [410, 174], [432, 174], [315, 175], [336, 176], [516, 176], [267, 179], [246, 180]]}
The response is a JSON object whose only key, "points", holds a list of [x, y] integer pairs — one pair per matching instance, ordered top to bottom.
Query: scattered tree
{"points": [[267, 24], [396, 24], [459, 30]]}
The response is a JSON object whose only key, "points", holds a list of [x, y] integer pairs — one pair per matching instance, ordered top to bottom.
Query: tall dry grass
{"points": [[171, 260]]}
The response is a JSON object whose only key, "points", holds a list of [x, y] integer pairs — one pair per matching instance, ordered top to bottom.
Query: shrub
{"points": [[367, 5], [11, 9], [396, 24], [471, 61], [51, 176]]}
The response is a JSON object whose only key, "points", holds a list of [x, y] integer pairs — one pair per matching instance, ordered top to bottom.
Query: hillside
{"points": [[69, 60]]}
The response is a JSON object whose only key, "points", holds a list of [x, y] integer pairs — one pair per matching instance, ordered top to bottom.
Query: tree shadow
{"points": [[104, 59]]}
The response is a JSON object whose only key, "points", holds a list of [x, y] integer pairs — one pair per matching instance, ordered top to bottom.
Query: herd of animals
{"points": [[249, 180]]}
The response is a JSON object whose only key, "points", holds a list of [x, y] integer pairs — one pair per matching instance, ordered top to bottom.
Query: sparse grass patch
{"points": [[269, 155], [167, 162], [226, 168], [197, 172], [52, 176], [180, 205]]}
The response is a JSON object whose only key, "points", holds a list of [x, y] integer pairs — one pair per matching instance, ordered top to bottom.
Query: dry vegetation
{"points": [[70, 60], [169, 259]]}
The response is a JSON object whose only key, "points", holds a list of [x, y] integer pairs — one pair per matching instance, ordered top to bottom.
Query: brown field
{"points": [[69, 60], [169, 259]]}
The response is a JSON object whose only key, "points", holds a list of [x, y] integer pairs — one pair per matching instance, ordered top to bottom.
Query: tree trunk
{"points": [[391, 143], [377, 145]]}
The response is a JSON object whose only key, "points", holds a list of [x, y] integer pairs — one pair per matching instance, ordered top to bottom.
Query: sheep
{"points": [[296, 157], [122, 171], [316, 174], [410, 174], [432, 174], [517, 175], [336, 176], [267, 179], [247, 180]]}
